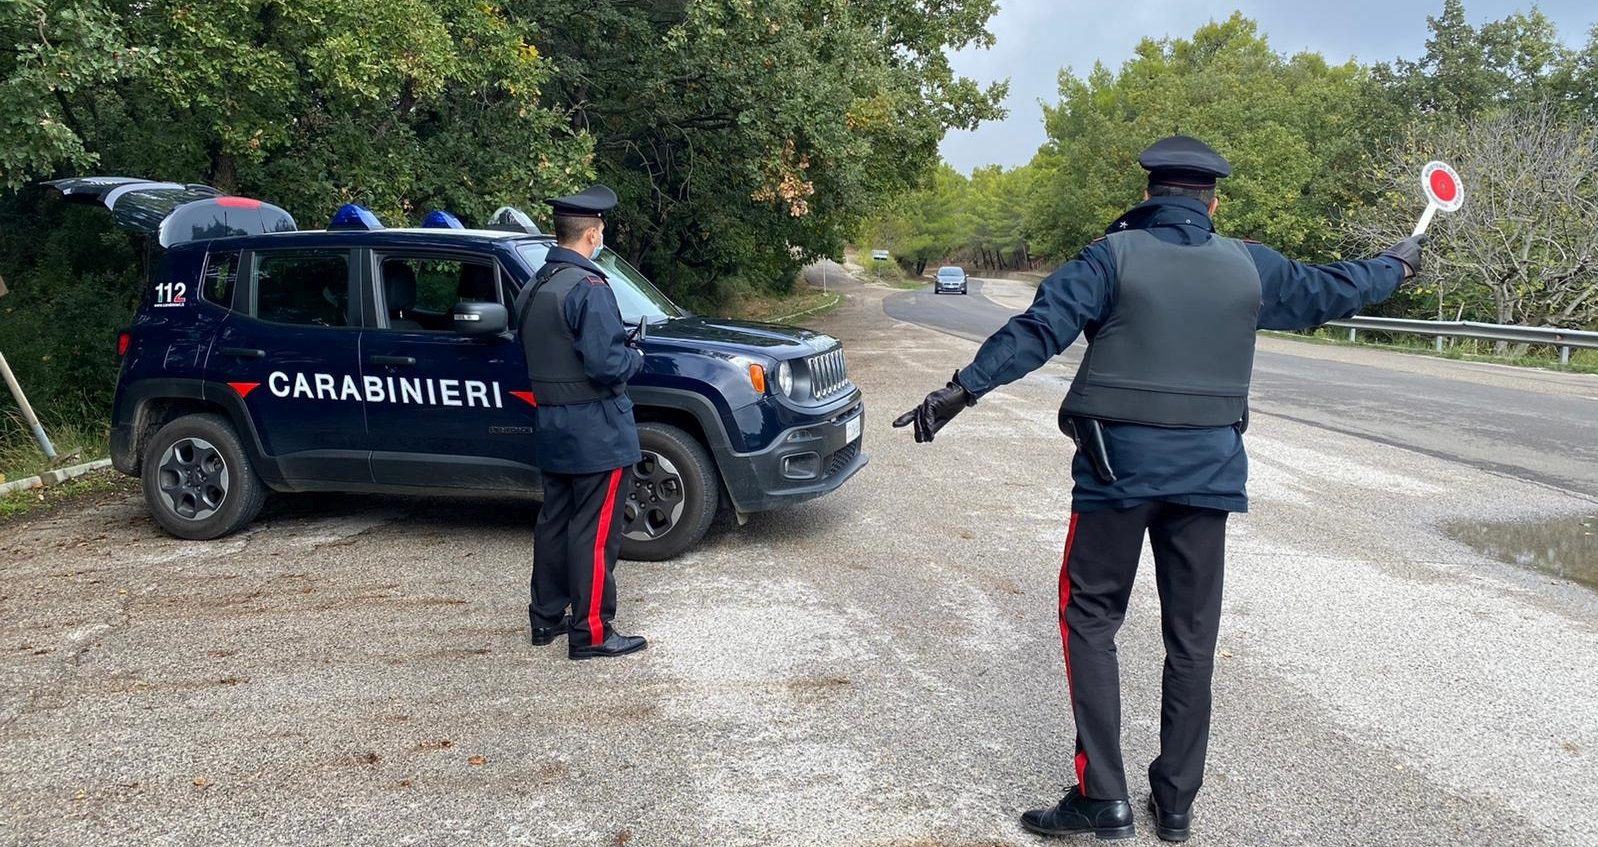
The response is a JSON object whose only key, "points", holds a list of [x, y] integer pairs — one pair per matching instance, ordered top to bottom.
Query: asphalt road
{"points": [[1533, 425], [879, 667]]}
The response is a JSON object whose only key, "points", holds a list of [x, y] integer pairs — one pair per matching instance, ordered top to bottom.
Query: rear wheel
{"points": [[198, 482], [673, 496]]}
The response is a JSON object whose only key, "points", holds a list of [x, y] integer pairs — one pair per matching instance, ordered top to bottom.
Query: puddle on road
{"points": [[1566, 548]]}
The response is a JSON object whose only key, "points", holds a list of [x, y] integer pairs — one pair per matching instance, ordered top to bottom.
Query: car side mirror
{"points": [[479, 319]]}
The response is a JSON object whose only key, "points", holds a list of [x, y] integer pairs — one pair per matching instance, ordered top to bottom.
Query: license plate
{"points": [[851, 429]]}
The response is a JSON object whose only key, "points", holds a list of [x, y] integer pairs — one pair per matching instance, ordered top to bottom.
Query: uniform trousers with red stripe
{"points": [[574, 552], [1096, 574]]}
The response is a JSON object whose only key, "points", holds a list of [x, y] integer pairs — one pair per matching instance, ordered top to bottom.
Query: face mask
{"points": [[597, 247]]}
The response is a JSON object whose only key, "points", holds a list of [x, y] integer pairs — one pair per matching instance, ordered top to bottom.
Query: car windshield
{"points": [[954, 272], [635, 294]]}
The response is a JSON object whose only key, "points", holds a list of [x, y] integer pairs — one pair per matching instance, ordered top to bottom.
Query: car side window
{"points": [[221, 278], [306, 287], [420, 292]]}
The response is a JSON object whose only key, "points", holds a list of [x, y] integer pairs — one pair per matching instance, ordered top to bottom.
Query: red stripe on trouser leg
{"points": [[596, 627], [1065, 644]]}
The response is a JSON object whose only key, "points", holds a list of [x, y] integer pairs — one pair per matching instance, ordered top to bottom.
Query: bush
{"points": [[74, 280]]}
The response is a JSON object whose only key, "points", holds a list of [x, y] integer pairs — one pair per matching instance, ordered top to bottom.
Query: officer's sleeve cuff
{"points": [[974, 386]]}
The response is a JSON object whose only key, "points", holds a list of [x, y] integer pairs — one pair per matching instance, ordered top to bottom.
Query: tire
{"points": [[198, 481], [656, 524]]}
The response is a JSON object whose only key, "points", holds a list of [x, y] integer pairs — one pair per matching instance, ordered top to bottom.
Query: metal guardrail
{"points": [[1564, 339]]}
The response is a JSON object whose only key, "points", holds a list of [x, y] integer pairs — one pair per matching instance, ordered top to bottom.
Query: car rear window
{"points": [[221, 277]]}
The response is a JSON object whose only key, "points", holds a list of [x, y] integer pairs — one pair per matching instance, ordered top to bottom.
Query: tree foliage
{"points": [[309, 103], [1288, 125], [742, 136], [748, 137], [1326, 160], [976, 220]]}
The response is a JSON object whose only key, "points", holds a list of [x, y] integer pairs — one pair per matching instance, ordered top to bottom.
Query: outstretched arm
{"points": [[1077, 294], [1294, 295]]}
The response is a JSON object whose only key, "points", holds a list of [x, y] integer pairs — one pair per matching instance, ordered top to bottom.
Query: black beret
{"points": [[1180, 160], [593, 202]]}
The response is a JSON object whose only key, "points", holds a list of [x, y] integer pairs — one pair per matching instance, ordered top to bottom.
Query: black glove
{"points": [[1408, 252], [636, 335], [938, 409]]}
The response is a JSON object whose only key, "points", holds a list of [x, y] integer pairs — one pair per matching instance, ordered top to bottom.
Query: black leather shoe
{"points": [[543, 636], [616, 645], [1109, 820], [1170, 826]]}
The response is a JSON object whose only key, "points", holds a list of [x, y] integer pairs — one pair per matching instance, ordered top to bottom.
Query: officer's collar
{"points": [[1165, 211], [568, 256]]}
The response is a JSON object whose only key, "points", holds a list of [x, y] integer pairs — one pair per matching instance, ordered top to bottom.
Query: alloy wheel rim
{"points": [[193, 478], [656, 501]]}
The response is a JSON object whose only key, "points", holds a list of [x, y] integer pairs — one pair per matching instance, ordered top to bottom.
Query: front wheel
{"points": [[198, 482], [673, 495]]}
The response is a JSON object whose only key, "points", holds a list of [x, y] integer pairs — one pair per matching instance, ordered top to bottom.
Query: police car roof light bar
{"points": [[354, 216], [440, 219], [512, 219]]}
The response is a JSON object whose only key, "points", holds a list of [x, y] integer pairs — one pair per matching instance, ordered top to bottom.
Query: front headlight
{"points": [[785, 378]]}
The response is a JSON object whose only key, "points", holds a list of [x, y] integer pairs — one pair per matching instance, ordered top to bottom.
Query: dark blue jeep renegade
{"points": [[371, 359]]}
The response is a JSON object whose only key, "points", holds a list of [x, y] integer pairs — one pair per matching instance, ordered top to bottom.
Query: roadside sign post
{"points": [[1443, 191], [22, 400]]}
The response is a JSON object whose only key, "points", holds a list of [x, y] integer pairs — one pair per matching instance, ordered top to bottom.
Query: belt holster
{"points": [[1088, 435]]}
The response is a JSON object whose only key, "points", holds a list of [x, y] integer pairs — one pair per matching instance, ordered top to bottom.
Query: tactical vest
{"points": [[1178, 347], [551, 348]]}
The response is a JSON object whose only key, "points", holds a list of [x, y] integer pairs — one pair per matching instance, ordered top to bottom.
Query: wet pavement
{"points": [[1563, 547]]}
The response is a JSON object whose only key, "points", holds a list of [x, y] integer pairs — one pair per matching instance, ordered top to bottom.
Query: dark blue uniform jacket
{"points": [[586, 438], [1203, 466]]}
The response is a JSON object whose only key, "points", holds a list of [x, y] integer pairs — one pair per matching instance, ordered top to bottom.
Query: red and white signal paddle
{"points": [[1443, 191]]}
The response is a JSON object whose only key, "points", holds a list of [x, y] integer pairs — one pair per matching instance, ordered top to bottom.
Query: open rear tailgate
{"points": [[174, 212]]}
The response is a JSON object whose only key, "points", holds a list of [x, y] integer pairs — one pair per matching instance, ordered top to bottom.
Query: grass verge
{"points": [[903, 284], [802, 304], [1581, 361], [20, 456], [107, 484]]}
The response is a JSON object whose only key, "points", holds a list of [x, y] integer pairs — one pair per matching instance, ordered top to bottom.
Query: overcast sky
{"points": [[1036, 38]]}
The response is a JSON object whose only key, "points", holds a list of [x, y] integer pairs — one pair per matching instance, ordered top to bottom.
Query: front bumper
{"points": [[801, 464]]}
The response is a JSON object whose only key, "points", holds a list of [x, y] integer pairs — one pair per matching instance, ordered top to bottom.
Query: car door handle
{"points": [[244, 352], [391, 360]]}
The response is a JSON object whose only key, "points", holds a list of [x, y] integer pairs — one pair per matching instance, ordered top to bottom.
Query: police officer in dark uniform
{"points": [[579, 355], [1157, 410]]}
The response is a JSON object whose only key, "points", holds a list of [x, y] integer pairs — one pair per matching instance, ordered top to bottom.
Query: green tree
{"points": [[1467, 71], [310, 103], [404, 106], [1294, 129], [747, 138], [925, 225], [1524, 247]]}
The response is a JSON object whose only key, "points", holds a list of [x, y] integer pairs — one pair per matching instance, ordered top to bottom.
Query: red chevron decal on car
{"points": [[243, 388], [525, 395]]}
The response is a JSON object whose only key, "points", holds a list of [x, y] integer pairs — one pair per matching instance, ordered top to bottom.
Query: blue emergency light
{"points": [[354, 216], [440, 219]]}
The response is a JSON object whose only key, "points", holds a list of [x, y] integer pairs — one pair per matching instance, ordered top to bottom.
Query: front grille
{"points": [[828, 374], [842, 458]]}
